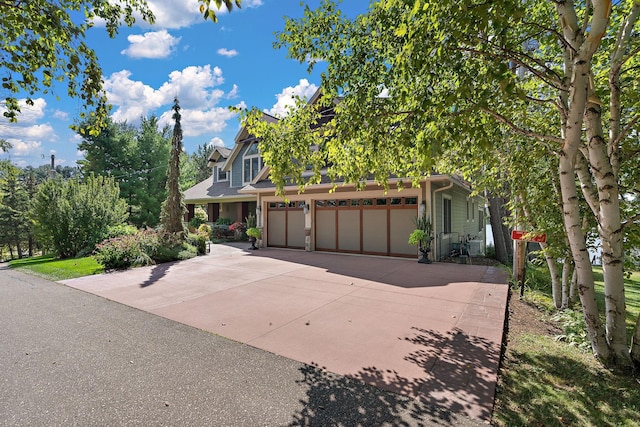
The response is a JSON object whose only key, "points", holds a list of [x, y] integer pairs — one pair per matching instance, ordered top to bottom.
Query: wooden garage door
{"points": [[285, 225], [379, 226]]}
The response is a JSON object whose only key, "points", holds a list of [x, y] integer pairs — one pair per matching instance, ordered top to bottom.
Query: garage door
{"points": [[285, 225], [379, 226]]}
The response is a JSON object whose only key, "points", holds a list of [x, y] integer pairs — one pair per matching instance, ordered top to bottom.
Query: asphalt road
{"points": [[72, 358]]}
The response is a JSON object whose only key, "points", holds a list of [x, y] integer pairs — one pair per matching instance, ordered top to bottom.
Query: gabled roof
{"points": [[242, 138], [218, 153], [205, 191]]}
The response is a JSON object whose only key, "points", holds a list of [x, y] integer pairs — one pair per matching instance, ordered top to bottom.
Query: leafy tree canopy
{"points": [[209, 13], [43, 42]]}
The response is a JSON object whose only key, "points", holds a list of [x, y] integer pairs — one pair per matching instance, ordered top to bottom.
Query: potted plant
{"points": [[254, 235], [421, 236]]}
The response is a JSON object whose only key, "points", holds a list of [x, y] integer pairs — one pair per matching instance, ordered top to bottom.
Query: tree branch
{"points": [[525, 132]]}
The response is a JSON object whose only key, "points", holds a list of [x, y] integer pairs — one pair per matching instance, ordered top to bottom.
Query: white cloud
{"points": [[252, 3], [175, 14], [155, 44], [229, 53], [233, 93], [286, 98], [28, 113], [61, 115], [198, 122], [28, 134], [216, 142], [24, 148]]}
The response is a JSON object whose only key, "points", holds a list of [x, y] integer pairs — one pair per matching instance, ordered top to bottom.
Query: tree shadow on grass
{"points": [[459, 382], [557, 390]]}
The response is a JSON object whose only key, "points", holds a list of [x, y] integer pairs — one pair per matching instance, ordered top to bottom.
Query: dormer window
{"points": [[251, 164], [222, 175]]}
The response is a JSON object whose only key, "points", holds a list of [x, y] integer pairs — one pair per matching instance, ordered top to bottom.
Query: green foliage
{"points": [[209, 13], [43, 43], [136, 158], [194, 167], [14, 201], [173, 207], [72, 216], [199, 218], [223, 221], [251, 221], [120, 230], [205, 230], [253, 232], [417, 237], [199, 241], [144, 248], [127, 251], [574, 328]]}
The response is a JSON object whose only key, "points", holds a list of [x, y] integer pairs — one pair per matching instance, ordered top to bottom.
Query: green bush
{"points": [[72, 216], [199, 217], [224, 221], [120, 230], [205, 230], [199, 241], [144, 248], [119, 253]]}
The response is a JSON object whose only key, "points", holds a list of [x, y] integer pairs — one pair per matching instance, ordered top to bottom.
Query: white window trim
{"points": [[250, 158], [447, 197]]}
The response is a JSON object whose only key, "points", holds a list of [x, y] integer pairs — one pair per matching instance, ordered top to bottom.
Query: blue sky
{"points": [[208, 66]]}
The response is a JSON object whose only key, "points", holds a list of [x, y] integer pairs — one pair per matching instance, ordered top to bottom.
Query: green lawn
{"points": [[51, 268], [547, 382]]}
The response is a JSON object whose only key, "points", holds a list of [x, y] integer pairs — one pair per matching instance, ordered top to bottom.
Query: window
{"points": [[251, 164], [222, 175], [467, 210], [446, 215], [480, 220]]}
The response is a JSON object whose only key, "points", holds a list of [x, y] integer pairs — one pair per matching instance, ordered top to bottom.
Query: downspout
{"points": [[436, 252]]}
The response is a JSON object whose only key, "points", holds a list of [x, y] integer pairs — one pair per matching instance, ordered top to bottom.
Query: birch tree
{"points": [[415, 78]]}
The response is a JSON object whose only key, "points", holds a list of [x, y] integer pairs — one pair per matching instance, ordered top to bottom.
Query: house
{"points": [[347, 220]]}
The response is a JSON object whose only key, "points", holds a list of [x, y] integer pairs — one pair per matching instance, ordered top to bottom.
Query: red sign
{"points": [[529, 236]]}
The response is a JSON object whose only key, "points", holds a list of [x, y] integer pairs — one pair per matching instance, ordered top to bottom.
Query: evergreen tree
{"points": [[173, 207]]}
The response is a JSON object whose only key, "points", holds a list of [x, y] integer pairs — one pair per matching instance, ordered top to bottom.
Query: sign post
{"points": [[520, 239]]}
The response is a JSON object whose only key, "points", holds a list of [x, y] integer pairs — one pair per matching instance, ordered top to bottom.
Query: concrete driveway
{"points": [[432, 332]]}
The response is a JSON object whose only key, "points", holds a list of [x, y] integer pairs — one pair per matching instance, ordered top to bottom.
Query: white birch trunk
{"points": [[610, 232], [556, 280], [566, 283]]}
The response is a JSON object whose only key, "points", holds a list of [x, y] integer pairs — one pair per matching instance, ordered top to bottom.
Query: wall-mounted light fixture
{"points": [[305, 208], [258, 209]]}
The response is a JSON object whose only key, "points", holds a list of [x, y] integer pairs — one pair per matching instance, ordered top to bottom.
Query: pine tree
{"points": [[173, 207]]}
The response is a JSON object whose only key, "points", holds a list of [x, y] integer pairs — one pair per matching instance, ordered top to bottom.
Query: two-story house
{"points": [[368, 221]]}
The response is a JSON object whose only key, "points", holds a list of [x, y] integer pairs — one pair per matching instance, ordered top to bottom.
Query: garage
{"points": [[285, 224], [376, 226]]}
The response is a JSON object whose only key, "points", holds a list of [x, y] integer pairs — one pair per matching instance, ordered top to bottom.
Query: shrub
{"points": [[72, 216], [199, 217], [224, 221], [120, 230], [205, 230], [221, 231], [253, 232], [199, 241], [144, 248], [123, 252]]}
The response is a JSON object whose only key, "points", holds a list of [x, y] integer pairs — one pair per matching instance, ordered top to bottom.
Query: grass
{"points": [[51, 268], [547, 382]]}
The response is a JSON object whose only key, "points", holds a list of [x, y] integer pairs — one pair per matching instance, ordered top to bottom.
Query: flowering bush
{"points": [[237, 227], [144, 248]]}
